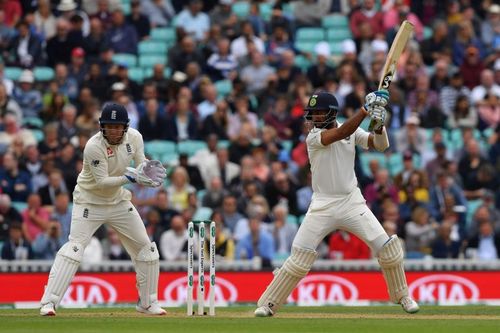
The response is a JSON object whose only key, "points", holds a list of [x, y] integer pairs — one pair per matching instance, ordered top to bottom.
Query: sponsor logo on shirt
{"points": [[110, 152], [95, 163]]}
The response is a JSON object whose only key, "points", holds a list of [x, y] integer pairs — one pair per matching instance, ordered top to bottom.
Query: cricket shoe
{"points": [[409, 305], [48, 309], [153, 309], [263, 311]]}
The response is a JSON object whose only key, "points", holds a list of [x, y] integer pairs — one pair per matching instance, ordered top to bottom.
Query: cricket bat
{"points": [[397, 47]]}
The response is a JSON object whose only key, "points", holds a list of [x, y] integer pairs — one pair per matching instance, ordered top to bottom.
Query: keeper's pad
{"points": [[390, 258], [147, 267], [63, 270], [286, 278]]}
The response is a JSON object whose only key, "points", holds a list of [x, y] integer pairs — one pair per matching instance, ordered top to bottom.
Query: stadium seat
{"points": [[241, 9], [265, 10], [335, 21], [427, 32], [310, 34], [338, 34], [166, 35], [305, 46], [153, 47], [336, 48], [124, 58], [151, 60], [302, 62], [148, 72], [12, 73], [43, 73], [136, 74], [223, 87], [32, 122], [38, 134], [223, 144], [287, 145], [190, 147], [157, 149], [395, 163], [199, 195], [19, 205], [472, 206], [202, 213], [292, 219]]}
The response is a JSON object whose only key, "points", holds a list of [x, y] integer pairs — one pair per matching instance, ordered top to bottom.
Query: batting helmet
{"points": [[322, 101], [114, 114]]}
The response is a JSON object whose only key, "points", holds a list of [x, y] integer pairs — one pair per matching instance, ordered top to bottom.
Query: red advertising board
{"points": [[318, 288]]}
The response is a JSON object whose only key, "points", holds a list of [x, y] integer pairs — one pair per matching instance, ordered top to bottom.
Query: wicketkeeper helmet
{"points": [[113, 113]]}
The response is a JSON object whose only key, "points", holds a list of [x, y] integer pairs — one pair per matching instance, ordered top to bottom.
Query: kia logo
{"points": [[324, 289], [444, 289], [89, 290], [175, 292]]}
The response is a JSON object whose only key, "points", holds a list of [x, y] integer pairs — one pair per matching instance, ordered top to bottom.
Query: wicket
{"points": [[201, 268]]}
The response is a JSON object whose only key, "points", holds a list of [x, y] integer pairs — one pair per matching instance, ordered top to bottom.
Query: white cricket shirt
{"points": [[332, 166], [101, 180]]}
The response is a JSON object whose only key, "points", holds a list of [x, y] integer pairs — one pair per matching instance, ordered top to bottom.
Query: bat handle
{"points": [[371, 126]]}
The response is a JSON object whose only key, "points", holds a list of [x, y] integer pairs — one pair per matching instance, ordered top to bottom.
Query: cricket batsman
{"points": [[99, 198], [337, 202]]}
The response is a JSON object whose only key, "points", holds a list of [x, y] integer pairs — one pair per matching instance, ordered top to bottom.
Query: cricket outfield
{"points": [[373, 319]]}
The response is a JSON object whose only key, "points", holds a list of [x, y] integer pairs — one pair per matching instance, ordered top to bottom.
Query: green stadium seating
{"points": [[241, 9], [265, 10], [335, 21], [427, 32], [310, 34], [338, 34], [166, 35], [305, 46], [153, 47], [336, 48], [124, 58], [151, 60], [302, 62], [148, 72], [12, 73], [43, 73], [136, 74], [223, 87], [32, 122], [38, 134], [223, 144], [287, 145], [190, 147], [160, 149], [366, 157], [19, 205], [472, 206], [202, 213], [292, 219]]}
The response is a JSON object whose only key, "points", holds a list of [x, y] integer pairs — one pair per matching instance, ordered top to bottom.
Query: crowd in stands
{"points": [[218, 90]]}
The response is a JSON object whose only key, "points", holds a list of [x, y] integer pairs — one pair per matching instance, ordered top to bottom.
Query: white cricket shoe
{"points": [[409, 305], [48, 309], [153, 309], [263, 311]]}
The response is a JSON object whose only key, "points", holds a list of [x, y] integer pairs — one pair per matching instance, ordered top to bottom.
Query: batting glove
{"points": [[379, 97], [378, 114]]}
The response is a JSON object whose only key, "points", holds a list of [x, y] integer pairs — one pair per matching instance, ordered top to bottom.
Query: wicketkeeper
{"points": [[99, 198], [337, 202]]}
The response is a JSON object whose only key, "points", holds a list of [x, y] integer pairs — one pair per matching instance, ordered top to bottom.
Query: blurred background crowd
{"points": [[218, 88]]}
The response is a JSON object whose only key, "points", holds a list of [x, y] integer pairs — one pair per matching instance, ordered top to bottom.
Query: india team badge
{"points": [[312, 102]]}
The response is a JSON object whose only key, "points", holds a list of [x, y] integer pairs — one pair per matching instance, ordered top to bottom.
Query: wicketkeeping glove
{"points": [[379, 97], [378, 114], [148, 173]]}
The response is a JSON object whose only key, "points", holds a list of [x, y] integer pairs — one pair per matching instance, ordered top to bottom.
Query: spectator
{"points": [[103, 13], [308, 13], [224, 16], [45, 21], [140, 21], [195, 22], [489, 27], [121, 37], [465, 38], [95, 42], [239, 46], [59, 47], [26, 48], [179, 58], [471, 66], [321, 68], [487, 86], [449, 93], [25, 94], [209, 104], [489, 112], [463, 114], [217, 122], [242, 123], [153, 124], [182, 124], [12, 131], [413, 138], [50, 147], [470, 163], [222, 167], [193, 172], [14, 182], [55, 186], [179, 189], [380, 189], [443, 190], [281, 191], [143, 197], [162, 206], [230, 213], [62, 214], [8, 216], [35, 218], [282, 231], [420, 233], [173, 242], [257, 243], [46, 244], [224, 245], [485, 245], [346, 246], [16, 247], [444, 247], [113, 248]]}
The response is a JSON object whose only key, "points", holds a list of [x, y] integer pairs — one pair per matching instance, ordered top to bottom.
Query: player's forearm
{"points": [[342, 132], [380, 140], [112, 182]]}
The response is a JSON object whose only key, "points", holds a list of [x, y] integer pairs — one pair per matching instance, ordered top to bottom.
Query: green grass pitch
{"points": [[239, 319]]}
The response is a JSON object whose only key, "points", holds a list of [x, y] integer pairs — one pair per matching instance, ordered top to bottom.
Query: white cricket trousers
{"points": [[350, 213], [122, 217]]}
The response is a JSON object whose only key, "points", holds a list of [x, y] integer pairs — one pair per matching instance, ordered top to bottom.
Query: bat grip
{"points": [[371, 126]]}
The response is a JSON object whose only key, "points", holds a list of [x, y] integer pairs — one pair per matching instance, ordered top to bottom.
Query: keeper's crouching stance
{"points": [[99, 198], [337, 202]]}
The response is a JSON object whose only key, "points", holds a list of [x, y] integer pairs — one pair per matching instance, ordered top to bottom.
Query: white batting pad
{"points": [[390, 259], [147, 267], [63, 270], [286, 278]]}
